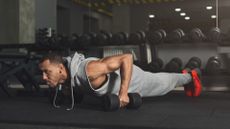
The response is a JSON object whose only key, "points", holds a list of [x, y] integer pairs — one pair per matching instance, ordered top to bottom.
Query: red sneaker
{"points": [[197, 85], [188, 88]]}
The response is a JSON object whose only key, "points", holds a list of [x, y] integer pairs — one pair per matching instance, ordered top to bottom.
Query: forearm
{"points": [[126, 73]]}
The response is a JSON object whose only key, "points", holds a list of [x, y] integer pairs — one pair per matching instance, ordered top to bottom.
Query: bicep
{"points": [[104, 66]]}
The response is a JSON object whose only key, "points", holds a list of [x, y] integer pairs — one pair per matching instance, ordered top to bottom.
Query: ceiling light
{"points": [[208, 7], [177, 9], [182, 14], [151, 16], [213, 16], [187, 18]]}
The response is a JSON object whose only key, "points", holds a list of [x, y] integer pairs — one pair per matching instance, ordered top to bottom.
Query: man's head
{"points": [[53, 69]]}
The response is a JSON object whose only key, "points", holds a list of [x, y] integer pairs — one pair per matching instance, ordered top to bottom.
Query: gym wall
{"points": [[45, 13], [76, 17], [17, 21]]}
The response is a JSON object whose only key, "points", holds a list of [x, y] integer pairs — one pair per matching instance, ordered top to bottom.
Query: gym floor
{"points": [[173, 111]]}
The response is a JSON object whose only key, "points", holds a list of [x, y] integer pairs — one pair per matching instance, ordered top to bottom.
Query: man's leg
{"points": [[179, 79], [190, 79], [157, 84]]}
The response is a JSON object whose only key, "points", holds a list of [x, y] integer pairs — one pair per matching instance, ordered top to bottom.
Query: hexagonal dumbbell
{"points": [[156, 37], [193, 62], [174, 65], [213, 65], [111, 102]]}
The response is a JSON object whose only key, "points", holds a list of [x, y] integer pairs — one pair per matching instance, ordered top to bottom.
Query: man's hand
{"points": [[124, 100]]}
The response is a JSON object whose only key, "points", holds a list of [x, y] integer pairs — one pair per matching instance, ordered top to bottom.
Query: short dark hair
{"points": [[53, 58]]}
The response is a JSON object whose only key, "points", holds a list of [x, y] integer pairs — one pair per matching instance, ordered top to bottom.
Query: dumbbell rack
{"points": [[203, 50], [185, 51]]}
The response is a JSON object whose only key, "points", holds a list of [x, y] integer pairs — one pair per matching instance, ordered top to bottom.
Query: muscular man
{"points": [[114, 74]]}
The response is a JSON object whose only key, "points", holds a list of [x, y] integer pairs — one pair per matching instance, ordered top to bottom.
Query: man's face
{"points": [[50, 73]]}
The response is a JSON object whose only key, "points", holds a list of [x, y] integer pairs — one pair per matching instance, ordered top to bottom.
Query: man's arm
{"points": [[96, 69]]}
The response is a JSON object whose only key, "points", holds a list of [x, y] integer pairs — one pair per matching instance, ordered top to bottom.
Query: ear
{"points": [[61, 66]]}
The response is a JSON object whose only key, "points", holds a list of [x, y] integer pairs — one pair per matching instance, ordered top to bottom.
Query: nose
{"points": [[44, 76]]}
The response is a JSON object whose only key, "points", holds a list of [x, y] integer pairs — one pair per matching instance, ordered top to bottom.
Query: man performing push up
{"points": [[114, 74]]}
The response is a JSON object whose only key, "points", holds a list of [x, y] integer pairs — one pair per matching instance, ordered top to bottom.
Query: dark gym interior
{"points": [[162, 36]]}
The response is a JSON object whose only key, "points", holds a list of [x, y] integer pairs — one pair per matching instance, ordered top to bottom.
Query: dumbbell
{"points": [[196, 35], [214, 35], [176, 36], [137, 37], [156, 37], [103, 38], [119, 38], [74, 40], [86, 40], [63, 41], [193, 62], [155, 65], [174, 65], [213, 65], [111, 102]]}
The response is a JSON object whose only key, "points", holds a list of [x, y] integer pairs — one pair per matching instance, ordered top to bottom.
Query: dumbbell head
{"points": [[162, 32], [181, 32], [214, 34], [143, 35], [176, 35], [196, 35], [109, 36], [74, 37], [137, 37], [156, 37], [103, 38], [120, 38], [63, 40], [74, 40], [86, 40], [177, 60], [193, 62], [155, 65], [174, 65], [213, 65], [135, 101], [111, 102]]}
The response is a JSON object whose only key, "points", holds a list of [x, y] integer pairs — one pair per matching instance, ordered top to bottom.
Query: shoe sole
{"points": [[196, 74]]}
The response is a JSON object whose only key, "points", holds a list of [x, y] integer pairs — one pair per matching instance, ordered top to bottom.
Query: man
{"points": [[114, 74]]}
